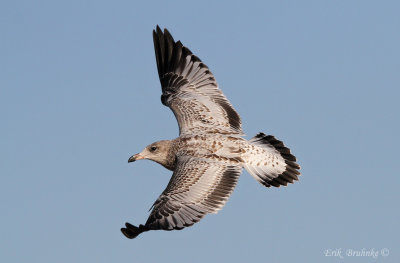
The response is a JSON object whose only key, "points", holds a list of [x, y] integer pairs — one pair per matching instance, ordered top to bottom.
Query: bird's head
{"points": [[159, 152]]}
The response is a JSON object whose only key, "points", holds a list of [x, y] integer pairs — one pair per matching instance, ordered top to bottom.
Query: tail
{"points": [[270, 162]]}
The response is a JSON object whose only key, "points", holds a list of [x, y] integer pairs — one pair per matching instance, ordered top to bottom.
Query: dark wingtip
{"points": [[168, 34], [132, 231], [127, 233]]}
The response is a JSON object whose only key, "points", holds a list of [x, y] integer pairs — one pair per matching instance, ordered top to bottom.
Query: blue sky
{"points": [[79, 94]]}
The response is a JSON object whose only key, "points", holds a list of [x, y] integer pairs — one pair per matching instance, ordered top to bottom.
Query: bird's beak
{"points": [[135, 157]]}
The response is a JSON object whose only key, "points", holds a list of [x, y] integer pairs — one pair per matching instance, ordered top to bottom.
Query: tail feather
{"points": [[270, 162]]}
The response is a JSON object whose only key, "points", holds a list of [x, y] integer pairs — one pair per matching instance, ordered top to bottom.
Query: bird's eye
{"points": [[153, 148]]}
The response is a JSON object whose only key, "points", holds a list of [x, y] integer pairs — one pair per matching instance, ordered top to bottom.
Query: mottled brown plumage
{"points": [[208, 156]]}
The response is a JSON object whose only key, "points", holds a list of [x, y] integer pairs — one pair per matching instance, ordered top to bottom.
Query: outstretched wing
{"points": [[190, 90], [197, 187]]}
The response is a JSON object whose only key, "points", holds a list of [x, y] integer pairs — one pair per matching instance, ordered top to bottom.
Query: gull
{"points": [[208, 156]]}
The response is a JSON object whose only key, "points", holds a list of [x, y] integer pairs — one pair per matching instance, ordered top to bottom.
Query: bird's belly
{"points": [[227, 149]]}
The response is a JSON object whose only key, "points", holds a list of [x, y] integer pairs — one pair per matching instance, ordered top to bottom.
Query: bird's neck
{"points": [[169, 160]]}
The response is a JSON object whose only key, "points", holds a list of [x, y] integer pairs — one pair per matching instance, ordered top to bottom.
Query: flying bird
{"points": [[208, 156]]}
